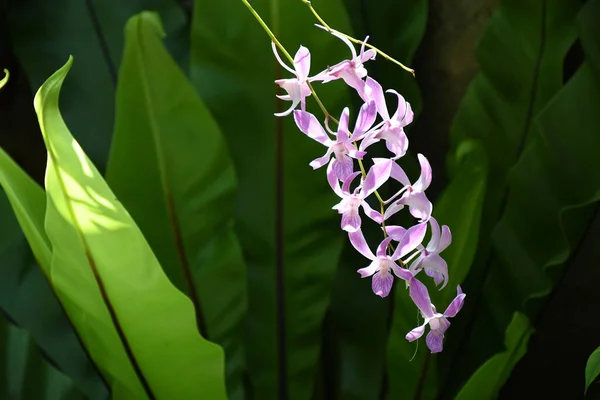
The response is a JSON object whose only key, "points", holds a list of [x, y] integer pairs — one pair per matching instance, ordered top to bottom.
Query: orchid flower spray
{"points": [[355, 177]]}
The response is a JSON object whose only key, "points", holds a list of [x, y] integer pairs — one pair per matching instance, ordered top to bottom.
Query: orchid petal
{"points": [[274, 47], [368, 55], [302, 63], [353, 80], [374, 91], [288, 111], [403, 115], [365, 120], [309, 125], [342, 132], [368, 140], [395, 141], [352, 152], [319, 162], [343, 166], [378, 174], [399, 174], [425, 178], [333, 180], [348, 181], [420, 206], [392, 209], [374, 215], [351, 221], [395, 231], [435, 235], [357, 239], [411, 239], [445, 240], [382, 248], [433, 264], [369, 270], [402, 273], [382, 283], [420, 296], [456, 304], [415, 333], [435, 341]]}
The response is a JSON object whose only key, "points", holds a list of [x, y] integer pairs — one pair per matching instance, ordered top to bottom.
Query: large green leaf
{"points": [[43, 35], [520, 57], [5, 79], [170, 167], [550, 201], [460, 207], [290, 236], [25, 295], [138, 328], [592, 368], [25, 373], [487, 380]]}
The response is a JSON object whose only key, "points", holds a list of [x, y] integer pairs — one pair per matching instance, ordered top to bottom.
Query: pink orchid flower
{"points": [[352, 71], [297, 88], [392, 129], [342, 147], [413, 195], [352, 201], [430, 260], [382, 265], [437, 322]]}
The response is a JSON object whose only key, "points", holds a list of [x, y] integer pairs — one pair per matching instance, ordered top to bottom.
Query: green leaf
{"points": [[43, 34], [520, 56], [5, 79], [169, 165], [460, 207], [542, 234], [290, 236], [25, 295], [139, 329], [592, 368], [26, 374], [487, 381]]}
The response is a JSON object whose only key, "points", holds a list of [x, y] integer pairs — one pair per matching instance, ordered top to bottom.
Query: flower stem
{"points": [[350, 38], [328, 116]]}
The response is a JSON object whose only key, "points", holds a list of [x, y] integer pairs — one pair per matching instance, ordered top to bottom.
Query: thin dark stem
{"points": [[279, 253]]}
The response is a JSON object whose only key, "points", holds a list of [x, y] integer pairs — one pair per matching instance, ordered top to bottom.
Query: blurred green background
{"points": [[507, 110]]}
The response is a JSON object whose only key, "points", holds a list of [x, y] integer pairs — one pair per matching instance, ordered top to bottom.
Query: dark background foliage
{"points": [[443, 46]]}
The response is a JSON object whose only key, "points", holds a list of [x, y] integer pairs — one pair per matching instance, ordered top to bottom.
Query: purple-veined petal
{"points": [[274, 47], [302, 63], [353, 80], [374, 91], [365, 120], [309, 125], [342, 132], [368, 141], [395, 141], [352, 152], [319, 162], [343, 166], [378, 174], [399, 174], [425, 178], [333, 180], [348, 181], [420, 207], [392, 209], [374, 215], [351, 221], [396, 232], [435, 235], [412, 238], [357, 239], [445, 239], [382, 248], [436, 264], [415, 266], [369, 270], [401, 273], [382, 283], [420, 296], [456, 304], [416, 333], [435, 341]]}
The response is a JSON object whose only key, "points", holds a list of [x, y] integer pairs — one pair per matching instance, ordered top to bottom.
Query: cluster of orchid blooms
{"points": [[399, 245]]}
